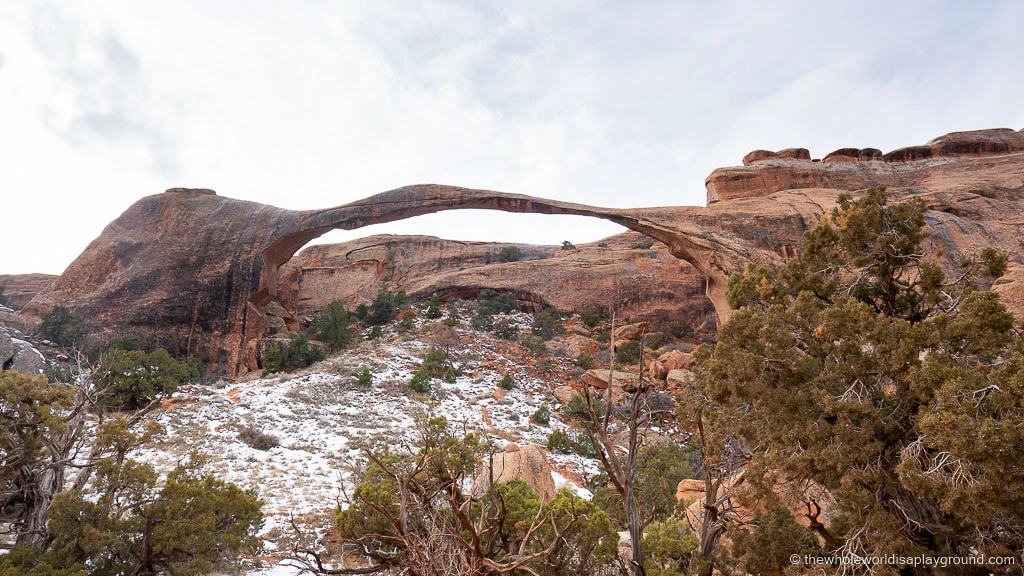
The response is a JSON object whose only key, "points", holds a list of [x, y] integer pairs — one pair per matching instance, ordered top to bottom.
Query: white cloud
{"points": [[316, 104]]}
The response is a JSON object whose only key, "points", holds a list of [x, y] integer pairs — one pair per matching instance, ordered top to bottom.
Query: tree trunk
{"points": [[37, 506]]}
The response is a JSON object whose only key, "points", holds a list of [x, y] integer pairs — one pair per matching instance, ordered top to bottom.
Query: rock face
{"points": [[195, 272], [654, 282], [1010, 287], [20, 288], [6, 348], [527, 463]]}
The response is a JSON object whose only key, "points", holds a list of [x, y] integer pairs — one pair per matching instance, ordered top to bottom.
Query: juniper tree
{"points": [[862, 368]]}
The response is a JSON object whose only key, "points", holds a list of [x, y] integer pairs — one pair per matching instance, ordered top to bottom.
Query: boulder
{"points": [[793, 154], [841, 155], [757, 156], [1010, 287], [276, 309], [12, 320], [275, 324], [578, 329], [631, 331], [578, 345], [6, 347], [26, 358], [676, 359], [656, 370], [598, 378], [679, 378], [564, 394], [527, 463], [689, 490]]}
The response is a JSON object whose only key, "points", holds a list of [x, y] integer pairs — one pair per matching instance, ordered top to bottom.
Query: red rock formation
{"points": [[944, 163], [195, 272], [654, 283], [20, 288]]}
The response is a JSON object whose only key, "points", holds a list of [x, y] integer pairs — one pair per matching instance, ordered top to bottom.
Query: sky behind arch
{"points": [[314, 104]]}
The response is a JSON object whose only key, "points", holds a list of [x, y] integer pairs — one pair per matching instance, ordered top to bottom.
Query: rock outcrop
{"points": [[195, 272], [652, 282], [20, 288], [19, 355], [528, 463]]}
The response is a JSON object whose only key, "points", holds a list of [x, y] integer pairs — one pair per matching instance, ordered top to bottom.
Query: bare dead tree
{"points": [[622, 469]]}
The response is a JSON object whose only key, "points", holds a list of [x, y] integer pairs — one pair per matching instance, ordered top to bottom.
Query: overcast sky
{"points": [[319, 103]]}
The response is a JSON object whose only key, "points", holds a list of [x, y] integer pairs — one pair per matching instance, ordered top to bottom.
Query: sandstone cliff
{"points": [[195, 272], [651, 281], [20, 288]]}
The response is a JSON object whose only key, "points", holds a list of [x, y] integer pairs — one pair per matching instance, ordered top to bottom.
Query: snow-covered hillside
{"points": [[322, 417]]}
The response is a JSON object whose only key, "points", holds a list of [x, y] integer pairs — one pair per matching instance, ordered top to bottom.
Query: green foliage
{"points": [[645, 244], [566, 245], [510, 254], [3, 297], [491, 303], [384, 307], [433, 311], [361, 312], [592, 315], [452, 319], [482, 322], [408, 323], [547, 324], [61, 327], [332, 327], [506, 329], [679, 329], [375, 333], [657, 340], [127, 342], [535, 344], [628, 352], [297, 353], [586, 361], [435, 365], [859, 368], [58, 373], [365, 378], [130, 380], [507, 382], [420, 383], [576, 409], [31, 410], [542, 415], [256, 438], [559, 441], [583, 445], [660, 468], [439, 520], [190, 524], [669, 545], [767, 547], [28, 561]]}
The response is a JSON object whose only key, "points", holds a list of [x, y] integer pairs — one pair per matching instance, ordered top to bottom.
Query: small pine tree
{"points": [[510, 254], [332, 326], [365, 378], [542, 415]]}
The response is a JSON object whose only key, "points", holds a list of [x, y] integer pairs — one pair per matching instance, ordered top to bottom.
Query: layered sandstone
{"points": [[196, 272], [651, 283], [20, 288]]}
